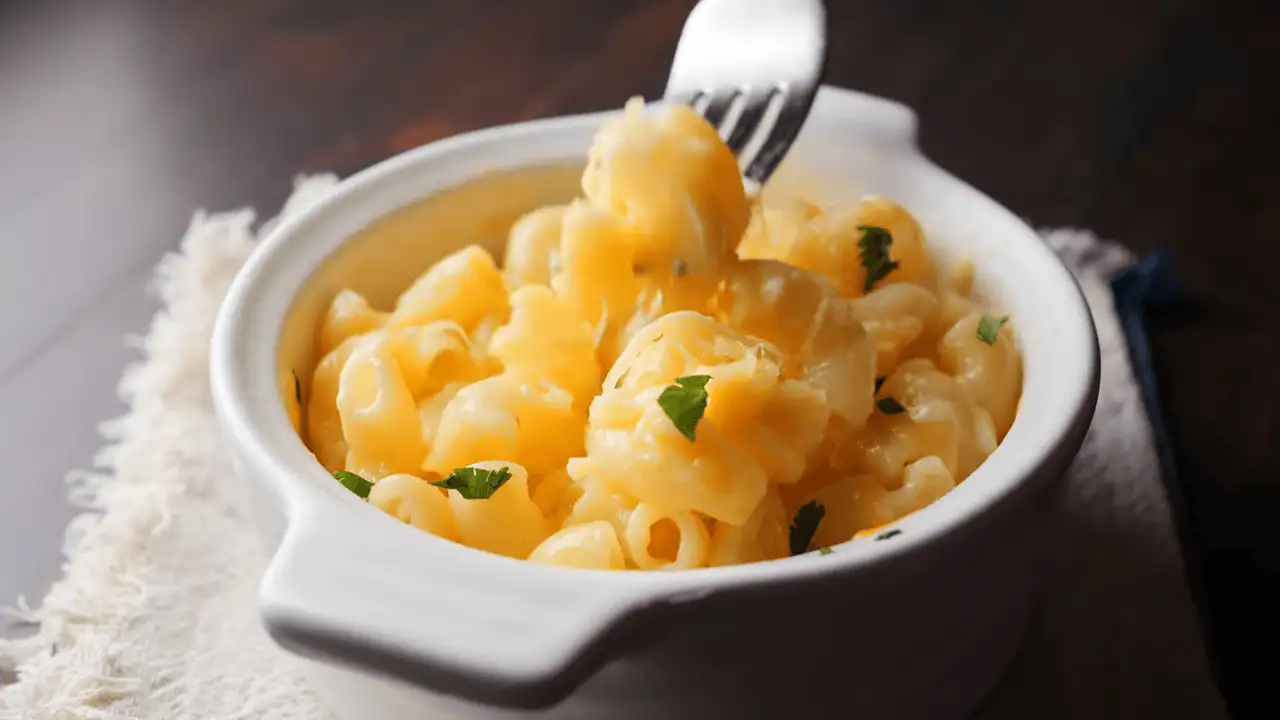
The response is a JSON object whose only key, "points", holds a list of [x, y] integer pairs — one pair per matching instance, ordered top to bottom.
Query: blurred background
{"points": [[1148, 121]]}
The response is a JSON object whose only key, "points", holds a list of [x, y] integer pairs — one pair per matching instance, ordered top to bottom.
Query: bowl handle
{"points": [[354, 589]]}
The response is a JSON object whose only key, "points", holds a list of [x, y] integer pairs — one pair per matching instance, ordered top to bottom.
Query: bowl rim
{"points": [[255, 420]]}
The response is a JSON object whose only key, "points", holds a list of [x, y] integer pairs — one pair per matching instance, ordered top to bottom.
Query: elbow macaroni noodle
{"points": [[828, 379]]}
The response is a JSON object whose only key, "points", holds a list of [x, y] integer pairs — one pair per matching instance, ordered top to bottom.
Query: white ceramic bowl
{"points": [[919, 625]]}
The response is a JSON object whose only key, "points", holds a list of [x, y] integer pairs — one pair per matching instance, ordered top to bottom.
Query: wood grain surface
{"points": [[1149, 121]]}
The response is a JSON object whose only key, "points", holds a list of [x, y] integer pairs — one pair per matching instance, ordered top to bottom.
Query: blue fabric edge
{"points": [[1142, 288]]}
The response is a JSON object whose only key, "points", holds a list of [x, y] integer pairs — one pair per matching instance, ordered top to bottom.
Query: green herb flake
{"points": [[874, 245], [989, 327], [297, 387], [685, 402], [889, 406], [353, 482], [475, 483], [805, 525], [888, 534], [825, 551]]}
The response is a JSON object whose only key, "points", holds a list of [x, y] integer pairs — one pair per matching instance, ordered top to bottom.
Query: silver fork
{"points": [[752, 68]]}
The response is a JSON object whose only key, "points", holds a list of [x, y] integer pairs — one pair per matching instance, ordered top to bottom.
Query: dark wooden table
{"points": [[1148, 121]]}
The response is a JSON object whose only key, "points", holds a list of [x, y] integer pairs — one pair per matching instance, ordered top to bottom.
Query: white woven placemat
{"points": [[155, 617]]}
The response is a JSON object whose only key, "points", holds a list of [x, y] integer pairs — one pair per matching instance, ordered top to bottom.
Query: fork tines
{"points": [[752, 69]]}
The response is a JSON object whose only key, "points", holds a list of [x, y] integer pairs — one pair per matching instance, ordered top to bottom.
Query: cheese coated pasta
{"points": [[672, 181], [533, 248], [349, 314], [546, 340], [667, 374], [414, 501], [508, 523], [592, 545]]}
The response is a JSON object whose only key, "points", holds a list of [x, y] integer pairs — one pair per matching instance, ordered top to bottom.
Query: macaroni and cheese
{"points": [[667, 374]]}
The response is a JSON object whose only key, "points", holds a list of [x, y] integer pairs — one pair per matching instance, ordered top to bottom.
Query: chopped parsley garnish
{"points": [[874, 245], [989, 327], [879, 382], [297, 387], [685, 402], [889, 406], [353, 482], [475, 483], [805, 525], [888, 534], [825, 551]]}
